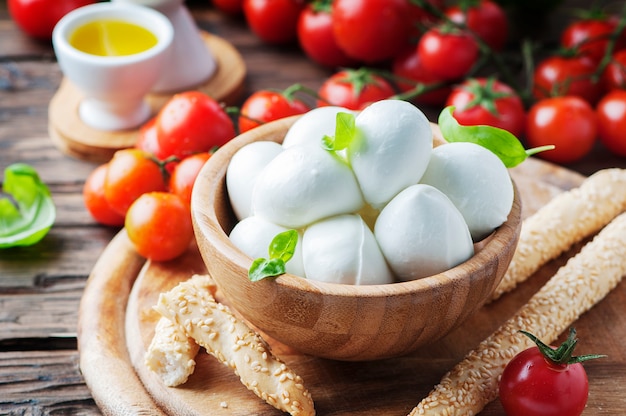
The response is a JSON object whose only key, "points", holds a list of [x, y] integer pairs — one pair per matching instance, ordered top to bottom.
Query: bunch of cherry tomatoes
{"points": [[423, 52], [437, 54], [148, 188]]}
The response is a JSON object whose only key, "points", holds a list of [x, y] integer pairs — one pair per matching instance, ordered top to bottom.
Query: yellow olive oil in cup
{"points": [[112, 38], [113, 53]]}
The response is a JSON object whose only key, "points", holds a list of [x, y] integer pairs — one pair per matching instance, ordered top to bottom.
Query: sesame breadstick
{"points": [[567, 219], [576, 287], [232, 342], [171, 353]]}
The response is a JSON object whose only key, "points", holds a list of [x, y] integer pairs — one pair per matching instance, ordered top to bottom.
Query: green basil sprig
{"points": [[345, 132], [501, 142], [27, 211], [281, 250]]}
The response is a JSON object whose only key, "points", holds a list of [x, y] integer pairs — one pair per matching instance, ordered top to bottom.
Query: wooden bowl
{"points": [[336, 321]]}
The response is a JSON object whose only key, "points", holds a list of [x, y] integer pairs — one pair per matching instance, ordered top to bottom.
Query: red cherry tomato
{"points": [[233, 7], [37, 18], [486, 19], [274, 21], [372, 30], [316, 37], [590, 37], [446, 53], [410, 71], [558, 75], [614, 75], [354, 89], [488, 102], [263, 106], [611, 111], [192, 122], [568, 122], [147, 138], [148, 142], [131, 173], [185, 173], [95, 201], [159, 225], [545, 381], [532, 386]]}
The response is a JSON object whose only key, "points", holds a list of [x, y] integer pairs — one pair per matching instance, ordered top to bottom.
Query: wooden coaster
{"points": [[75, 138]]}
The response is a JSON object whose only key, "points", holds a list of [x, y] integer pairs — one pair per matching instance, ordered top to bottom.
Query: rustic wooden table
{"points": [[41, 286]]}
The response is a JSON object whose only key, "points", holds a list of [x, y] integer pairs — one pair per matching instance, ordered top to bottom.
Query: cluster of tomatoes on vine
{"points": [[438, 55], [147, 188]]}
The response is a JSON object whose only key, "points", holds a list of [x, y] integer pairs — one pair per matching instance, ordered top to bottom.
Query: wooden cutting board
{"points": [[117, 324]]}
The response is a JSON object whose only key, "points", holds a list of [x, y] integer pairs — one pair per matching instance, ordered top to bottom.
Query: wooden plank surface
{"points": [[41, 286]]}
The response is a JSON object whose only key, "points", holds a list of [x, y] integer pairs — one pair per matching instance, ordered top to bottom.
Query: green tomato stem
{"points": [[563, 354]]}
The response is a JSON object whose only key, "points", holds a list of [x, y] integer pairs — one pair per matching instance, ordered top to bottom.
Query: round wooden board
{"points": [[68, 132], [117, 323]]}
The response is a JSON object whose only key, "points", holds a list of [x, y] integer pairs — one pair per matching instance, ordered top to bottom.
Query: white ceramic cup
{"points": [[191, 63], [114, 87]]}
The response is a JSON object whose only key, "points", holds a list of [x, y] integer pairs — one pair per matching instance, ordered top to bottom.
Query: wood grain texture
{"points": [[104, 359], [30, 374]]}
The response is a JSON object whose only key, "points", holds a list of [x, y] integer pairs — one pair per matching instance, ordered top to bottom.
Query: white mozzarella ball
{"points": [[312, 126], [393, 149], [242, 171], [476, 181], [304, 184], [421, 233], [253, 236], [342, 249]]}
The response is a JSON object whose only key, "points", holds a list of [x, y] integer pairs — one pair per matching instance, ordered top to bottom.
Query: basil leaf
{"points": [[345, 132], [501, 142], [27, 211], [284, 245], [281, 250], [264, 268]]}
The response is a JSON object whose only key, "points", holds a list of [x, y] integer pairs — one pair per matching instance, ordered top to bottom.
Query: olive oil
{"points": [[112, 38]]}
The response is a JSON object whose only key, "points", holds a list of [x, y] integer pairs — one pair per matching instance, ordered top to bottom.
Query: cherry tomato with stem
{"points": [[37, 18], [487, 19], [274, 21], [372, 30], [316, 36], [589, 37], [447, 52], [410, 74], [614, 74], [560, 75], [354, 89], [488, 101], [265, 105], [611, 111], [192, 122], [568, 122], [148, 142], [131, 173], [185, 173], [95, 200], [159, 225], [546, 381]]}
